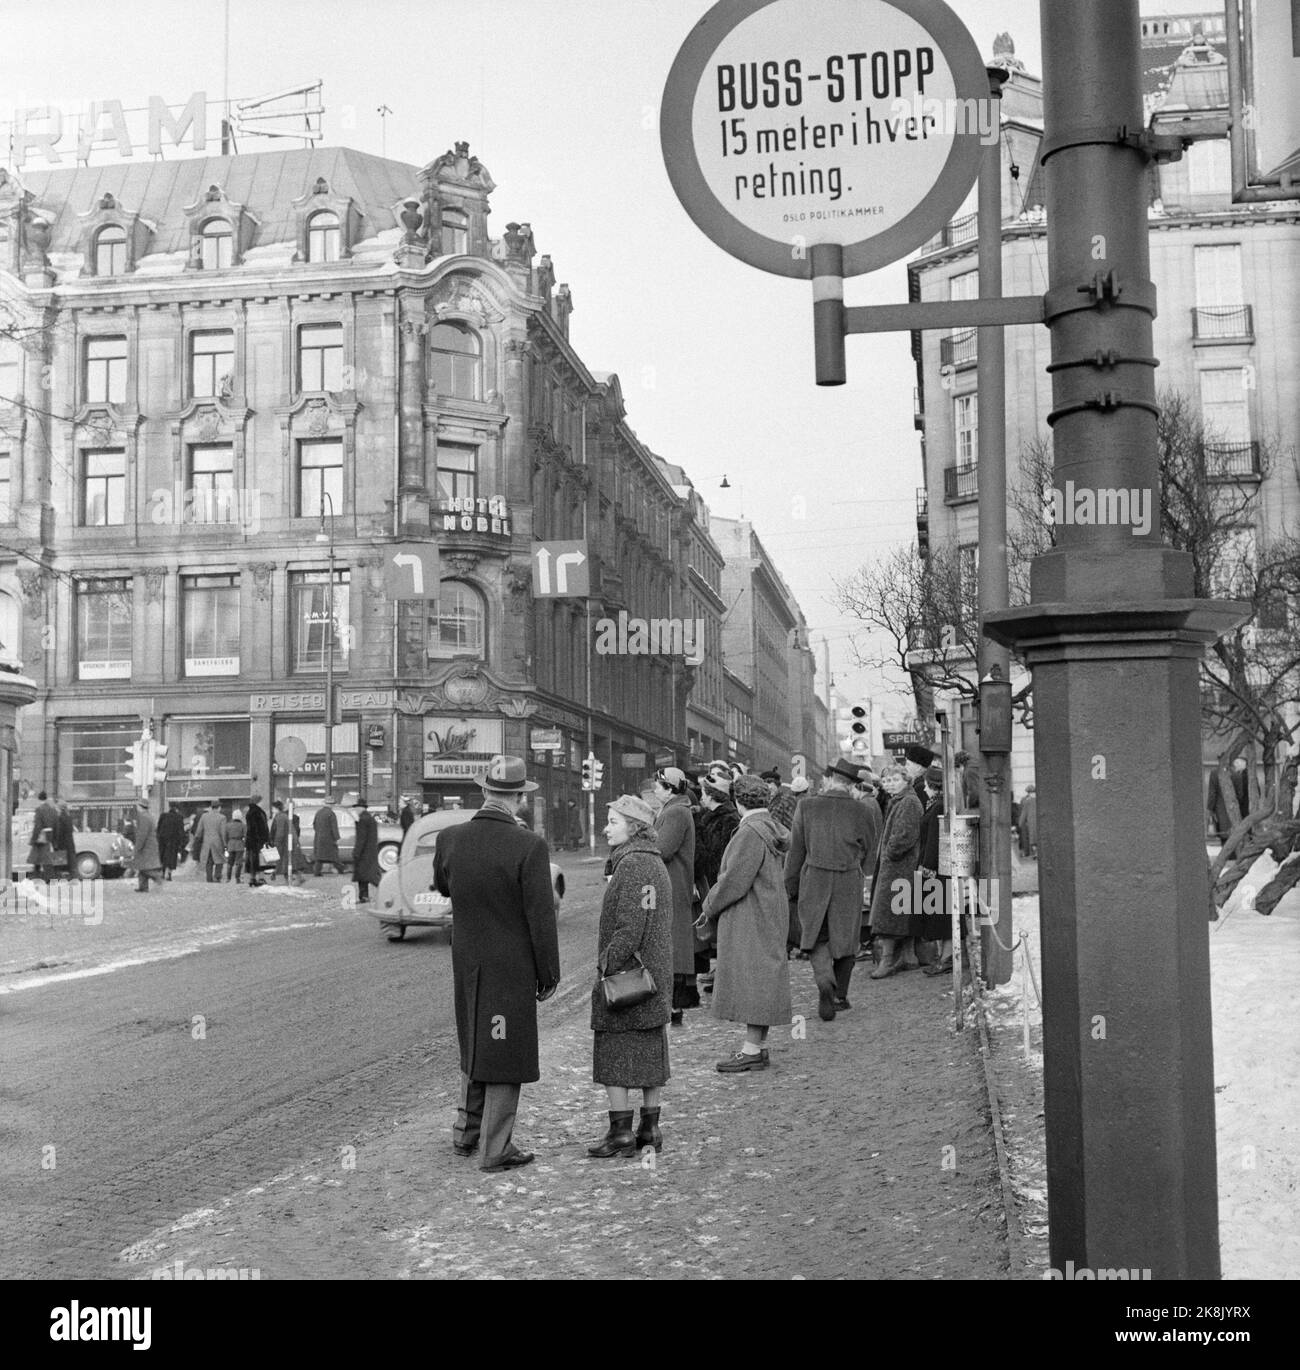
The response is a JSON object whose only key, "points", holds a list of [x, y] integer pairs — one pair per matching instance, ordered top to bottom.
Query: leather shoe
{"points": [[826, 1003], [841, 1004], [743, 1060], [462, 1150], [509, 1160]]}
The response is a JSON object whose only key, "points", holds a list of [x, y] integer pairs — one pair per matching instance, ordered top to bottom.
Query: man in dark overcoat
{"points": [[44, 823], [257, 834], [171, 838], [325, 846], [832, 849], [365, 853], [505, 957]]}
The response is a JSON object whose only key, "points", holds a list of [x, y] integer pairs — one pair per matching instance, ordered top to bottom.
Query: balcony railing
{"points": [[1223, 323], [959, 350], [1232, 461], [961, 483]]}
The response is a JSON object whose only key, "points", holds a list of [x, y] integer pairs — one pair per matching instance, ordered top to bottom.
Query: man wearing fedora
{"points": [[832, 848], [505, 957]]}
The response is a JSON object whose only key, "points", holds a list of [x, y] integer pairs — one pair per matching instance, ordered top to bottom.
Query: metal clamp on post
{"points": [[1161, 147], [1104, 290], [828, 312], [1103, 359], [1107, 401]]}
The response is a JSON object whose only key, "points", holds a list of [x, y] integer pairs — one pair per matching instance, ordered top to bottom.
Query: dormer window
{"points": [[455, 231], [323, 237], [216, 245], [110, 251]]}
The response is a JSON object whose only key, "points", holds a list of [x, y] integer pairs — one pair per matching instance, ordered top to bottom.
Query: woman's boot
{"points": [[890, 961], [647, 1132], [619, 1140]]}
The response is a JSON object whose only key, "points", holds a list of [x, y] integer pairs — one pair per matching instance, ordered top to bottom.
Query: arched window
{"points": [[455, 231], [323, 238], [217, 245], [110, 251], [455, 361], [459, 627]]}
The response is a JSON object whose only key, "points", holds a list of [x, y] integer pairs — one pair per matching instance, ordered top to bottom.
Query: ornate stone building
{"points": [[219, 377]]}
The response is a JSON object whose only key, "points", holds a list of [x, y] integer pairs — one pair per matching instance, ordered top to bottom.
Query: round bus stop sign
{"points": [[789, 123]]}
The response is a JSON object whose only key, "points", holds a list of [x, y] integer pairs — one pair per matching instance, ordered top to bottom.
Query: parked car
{"points": [[390, 836], [98, 853], [406, 897]]}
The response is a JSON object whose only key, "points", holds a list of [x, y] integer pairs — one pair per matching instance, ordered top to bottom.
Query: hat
{"points": [[918, 755], [844, 768], [506, 775], [672, 775], [773, 775], [934, 776], [719, 784], [799, 784], [751, 791], [632, 807]]}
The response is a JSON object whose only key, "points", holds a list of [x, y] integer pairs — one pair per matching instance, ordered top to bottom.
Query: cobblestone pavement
{"points": [[864, 1152]]}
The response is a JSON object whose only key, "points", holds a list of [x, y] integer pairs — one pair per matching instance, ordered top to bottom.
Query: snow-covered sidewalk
{"points": [[1255, 967]]}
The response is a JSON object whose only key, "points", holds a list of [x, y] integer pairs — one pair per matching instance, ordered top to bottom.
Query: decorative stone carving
{"points": [[520, 246], [317, 416], [208, 423], [461, 564], [262, 573], [33, 584], [153, 586]]}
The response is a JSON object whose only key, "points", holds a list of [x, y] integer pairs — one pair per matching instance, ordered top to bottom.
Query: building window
{"points": [[1209, 167], [455, 231], [323, 237], [216, 245], [110, 251], [964, 286], [320, 356], [455, 361], [212, 364], [105, 370], [9, 374], [1224, 409], [965, 412], [320, 473], [456, 477], [212, 485], [6, 488], [103, 489], [1233, 576], [210, 608], [312, 622], [457, 628], [103, 629], [11, 631], [213, 747], [92, 759]]}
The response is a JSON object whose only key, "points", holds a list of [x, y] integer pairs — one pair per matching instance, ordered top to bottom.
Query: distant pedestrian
{"points": [[917, 759], [968, 781], [1216, 802], [782, 806], [406, 818], [1028, 827], [675, 833], [257, 835], [325, 835], [232, 836], [65, 839], [171, 839], [211, 840], [280, 841], [832, 847], [42, 850], [365, 853], [297, 857], [145, 860], [748, 906], [936, 920], [895, 921], [505, 958], [630, 1046]]}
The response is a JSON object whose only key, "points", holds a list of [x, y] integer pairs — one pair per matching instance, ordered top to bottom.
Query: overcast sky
{"points": [[559, 99]]}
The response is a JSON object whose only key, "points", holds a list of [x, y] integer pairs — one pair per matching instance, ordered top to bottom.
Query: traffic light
{"points": [[860, 726], [159, 762], [135, 771], [588, 771], [597, 773]]}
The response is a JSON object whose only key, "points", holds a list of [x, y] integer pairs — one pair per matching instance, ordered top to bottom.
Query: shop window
{"points": [[103, 613], [319, 618]]}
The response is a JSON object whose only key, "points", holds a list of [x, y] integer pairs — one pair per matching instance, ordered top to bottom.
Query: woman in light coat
{"points": [[675, 833], [749, 908]]}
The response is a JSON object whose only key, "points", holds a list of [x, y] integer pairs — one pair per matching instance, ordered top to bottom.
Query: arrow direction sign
{"points": [[561, 570], [412, 571]]}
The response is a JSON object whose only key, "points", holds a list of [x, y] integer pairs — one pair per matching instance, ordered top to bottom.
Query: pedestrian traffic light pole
{"points": [[1114, 640]]}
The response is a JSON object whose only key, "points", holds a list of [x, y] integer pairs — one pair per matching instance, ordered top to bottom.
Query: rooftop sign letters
{"points": [[788, 123], [41, 130]]}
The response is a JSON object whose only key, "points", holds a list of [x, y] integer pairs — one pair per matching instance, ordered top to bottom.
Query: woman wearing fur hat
{"points": [[675, 831], [631, 1047]]}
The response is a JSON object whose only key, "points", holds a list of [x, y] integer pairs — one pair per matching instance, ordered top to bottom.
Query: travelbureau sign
{"points": [[789, 123]]}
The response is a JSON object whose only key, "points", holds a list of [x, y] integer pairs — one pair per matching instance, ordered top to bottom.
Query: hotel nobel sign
{"points": [[467, 515]]}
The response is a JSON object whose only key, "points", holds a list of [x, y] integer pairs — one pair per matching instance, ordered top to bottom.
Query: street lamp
{"points": [[324, 535]]}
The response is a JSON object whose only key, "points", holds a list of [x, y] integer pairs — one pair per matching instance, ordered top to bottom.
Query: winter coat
{"points": [[968, 777], [1216, 803], [783, 806], [407, 818], [44, 823], [1028, 823], [325, 826], [714, 828], [280, 831], [256, 832], [675, 832], [232, 834], [211, 836], [171, 837], [65, 841], [900, 848], [832, 849], [365, 853], [146, 856], [929, 857], [638, 878], [506, 945], [752, 980]]}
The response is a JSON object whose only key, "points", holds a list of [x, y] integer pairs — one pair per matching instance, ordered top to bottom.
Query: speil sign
{"points": [[788, 123]]}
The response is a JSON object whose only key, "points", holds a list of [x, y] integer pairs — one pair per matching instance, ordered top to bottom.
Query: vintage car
{"points": [[390, 836], [98, 853], [406, 898]]}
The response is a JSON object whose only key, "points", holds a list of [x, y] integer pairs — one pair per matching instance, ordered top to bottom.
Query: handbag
{"points": [[628, 987]]}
